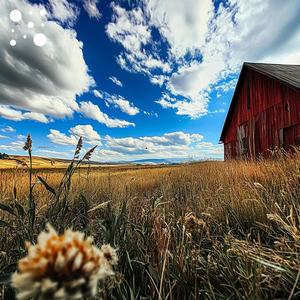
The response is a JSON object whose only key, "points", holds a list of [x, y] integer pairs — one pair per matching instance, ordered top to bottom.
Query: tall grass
{"points": [[211, 230]]}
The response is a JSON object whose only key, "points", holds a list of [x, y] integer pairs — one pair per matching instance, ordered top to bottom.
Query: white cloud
{"points": [[91, 8], [64, 11], [183, 23], [129, 28], [132, 30], [241, 31], [206, 45], [158, 79], [40, 80], [116, 81], [227, 85], [98, 94], [124, 105], [193, 108], [92, 111], [9, 113], [150, 113], [8, 129], [87, 132], [3, 136], [59, 138], [174, 138], [175, 142], [13, 146], [210, 150], [53, 153]]}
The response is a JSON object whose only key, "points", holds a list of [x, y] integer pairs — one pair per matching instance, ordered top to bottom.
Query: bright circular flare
{"points": [[43, 12], [15, 15], [30, 24], [12, 30], [24, 36], [40, 39], [13, 43]]}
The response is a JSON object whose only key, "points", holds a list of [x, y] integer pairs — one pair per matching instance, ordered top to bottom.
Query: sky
{"points": [[143, 79]]}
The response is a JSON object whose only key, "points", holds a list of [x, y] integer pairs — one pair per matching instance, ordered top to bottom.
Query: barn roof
{"points": [[287, 74]]}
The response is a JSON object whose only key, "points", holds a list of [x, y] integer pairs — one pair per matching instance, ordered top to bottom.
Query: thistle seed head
{"points": [[62, 267]]}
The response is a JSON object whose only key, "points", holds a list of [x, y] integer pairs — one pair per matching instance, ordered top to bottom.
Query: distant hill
{"points": [[156, 161], [37, 162], [45, 162]]}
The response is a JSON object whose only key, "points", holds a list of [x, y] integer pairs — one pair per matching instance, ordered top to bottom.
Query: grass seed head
{"points": [[28, 143]]}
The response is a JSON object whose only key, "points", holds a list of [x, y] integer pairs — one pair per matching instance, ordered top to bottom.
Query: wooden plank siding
{"points": [[266, 115]]}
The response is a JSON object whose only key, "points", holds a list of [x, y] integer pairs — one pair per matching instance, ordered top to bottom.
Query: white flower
{"points": [[62, 267]]}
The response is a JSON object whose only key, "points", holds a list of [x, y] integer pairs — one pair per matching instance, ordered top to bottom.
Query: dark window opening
{"points": [[289, 137], [244, 150]]}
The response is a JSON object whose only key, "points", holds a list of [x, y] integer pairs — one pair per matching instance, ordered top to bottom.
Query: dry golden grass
{"points": [[38, 162], [219, 230]]}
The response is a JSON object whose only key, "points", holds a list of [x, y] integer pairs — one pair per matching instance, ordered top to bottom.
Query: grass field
{"points": [[15, 161], [18, 161], [211, 230]]}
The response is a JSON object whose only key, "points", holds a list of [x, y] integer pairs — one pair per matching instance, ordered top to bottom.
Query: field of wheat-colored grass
{"points": [[210, 230]]}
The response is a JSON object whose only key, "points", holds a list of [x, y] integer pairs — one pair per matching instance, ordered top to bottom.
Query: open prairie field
{"points": [[38, 162], [44, 163], [210, 230]]}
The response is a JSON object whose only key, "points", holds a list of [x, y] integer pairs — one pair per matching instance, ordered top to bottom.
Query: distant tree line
{"points": [[3, 155]]}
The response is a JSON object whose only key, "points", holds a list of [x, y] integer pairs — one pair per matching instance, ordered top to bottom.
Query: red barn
{"points": [[264, 113]]}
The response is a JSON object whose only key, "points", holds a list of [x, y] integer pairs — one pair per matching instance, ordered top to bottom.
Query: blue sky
{"points": [[140, 79]]}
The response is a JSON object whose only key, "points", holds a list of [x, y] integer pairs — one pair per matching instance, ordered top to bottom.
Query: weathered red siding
{"points": [[269, 119]]}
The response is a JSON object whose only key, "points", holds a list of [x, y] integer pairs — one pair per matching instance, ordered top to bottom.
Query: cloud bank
{"points": [[36, 82]]}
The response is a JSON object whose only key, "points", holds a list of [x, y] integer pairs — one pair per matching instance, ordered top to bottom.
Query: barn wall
{"points": [[261, 123]]}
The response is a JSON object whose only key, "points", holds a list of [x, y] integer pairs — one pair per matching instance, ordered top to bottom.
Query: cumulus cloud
{"points": [[91, 8], [64, 11], [184, 24], [132, 30], [241, 31], [206, 44], [158, 79], [39, 80], [116, 81], [98, 94], [124, 105], [187, 107], [92, 111], [9, 113], [8, 129], [87, 132], [89, 135], [59, 138], [169, 142], [179, 145], [13, 146], [53, 153]]}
